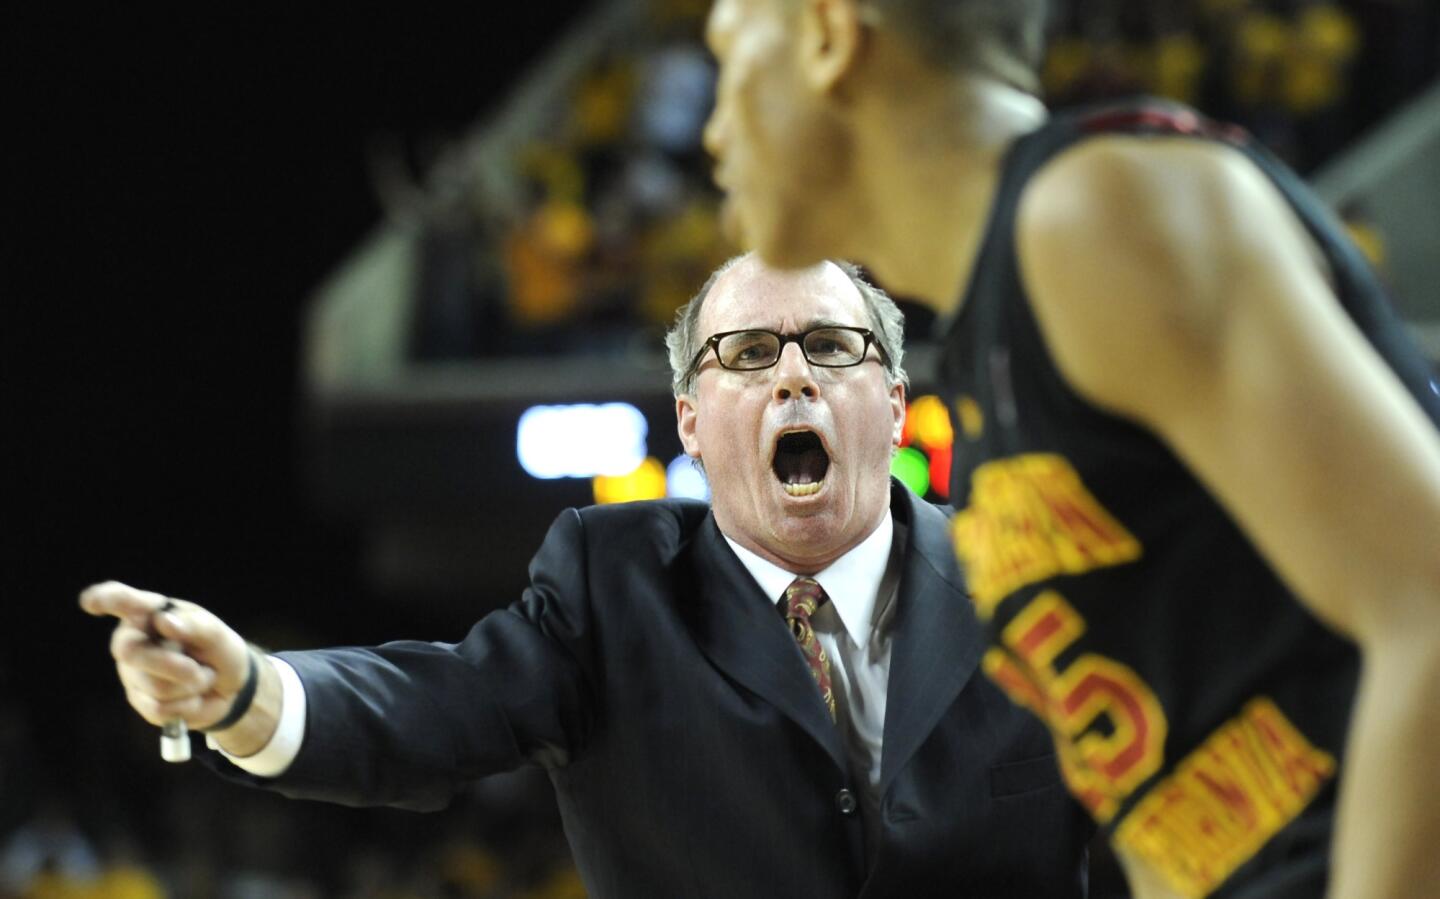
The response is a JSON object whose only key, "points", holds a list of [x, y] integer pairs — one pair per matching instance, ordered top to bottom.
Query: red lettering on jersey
{"points": [[1100, 768]]}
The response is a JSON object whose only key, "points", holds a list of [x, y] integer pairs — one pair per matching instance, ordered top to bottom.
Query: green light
{"points": [[913, 470]]}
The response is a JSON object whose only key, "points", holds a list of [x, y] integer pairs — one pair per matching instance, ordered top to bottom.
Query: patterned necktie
{"points": [[802, 598]]}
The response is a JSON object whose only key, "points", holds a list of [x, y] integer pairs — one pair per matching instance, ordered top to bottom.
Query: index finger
{"points": [[122, 601]]}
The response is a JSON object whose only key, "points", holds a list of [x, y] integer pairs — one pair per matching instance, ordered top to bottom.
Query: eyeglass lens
{"points": [[831, 347]]}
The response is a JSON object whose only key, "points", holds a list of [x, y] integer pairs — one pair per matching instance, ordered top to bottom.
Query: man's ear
{"points": [[831, 38], [897, 406], [685, 415]]}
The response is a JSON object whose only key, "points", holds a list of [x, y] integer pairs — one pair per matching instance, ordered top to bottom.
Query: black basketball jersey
{"points": [[1199, 710]]}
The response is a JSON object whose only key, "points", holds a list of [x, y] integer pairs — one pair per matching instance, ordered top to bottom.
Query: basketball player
{"points": [[1197, 460]]}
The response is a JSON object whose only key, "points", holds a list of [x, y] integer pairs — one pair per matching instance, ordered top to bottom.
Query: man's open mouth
{"points": [[800, 463]]}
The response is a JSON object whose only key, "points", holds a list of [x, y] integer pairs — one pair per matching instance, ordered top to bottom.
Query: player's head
{"points": [[999, 39], [804, 82], [789, 390]]}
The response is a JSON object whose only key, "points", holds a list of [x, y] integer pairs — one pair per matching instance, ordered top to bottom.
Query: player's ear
{"points": [[832, 36], [685, 420]]}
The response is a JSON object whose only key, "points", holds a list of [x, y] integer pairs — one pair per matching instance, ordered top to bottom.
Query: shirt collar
{"points": [[852, 581]]}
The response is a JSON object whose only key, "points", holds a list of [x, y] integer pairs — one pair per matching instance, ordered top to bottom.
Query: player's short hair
{"points": [[1004, 39], [683, 341]]}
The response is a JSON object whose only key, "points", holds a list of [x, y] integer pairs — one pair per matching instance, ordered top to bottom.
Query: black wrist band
{"points": [[243, 700]]}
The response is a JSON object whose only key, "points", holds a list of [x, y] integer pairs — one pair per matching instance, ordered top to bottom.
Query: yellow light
{"points": [[972, 417], [932, 422], [645, 482]]}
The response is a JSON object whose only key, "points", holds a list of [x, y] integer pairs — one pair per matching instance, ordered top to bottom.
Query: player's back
{"points": [[1200, 710]]}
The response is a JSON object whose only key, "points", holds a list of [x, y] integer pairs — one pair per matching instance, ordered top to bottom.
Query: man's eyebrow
{"points": [[811, 325]]}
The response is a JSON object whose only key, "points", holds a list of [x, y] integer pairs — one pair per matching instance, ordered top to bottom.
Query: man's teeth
{"points": [[802, 489]]}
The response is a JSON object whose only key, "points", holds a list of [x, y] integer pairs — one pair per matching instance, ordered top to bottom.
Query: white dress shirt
{"points": [[848, 627], [284, 745]]}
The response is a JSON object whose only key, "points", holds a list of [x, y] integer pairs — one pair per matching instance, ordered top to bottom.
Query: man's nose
{"points": [[794, 376]]}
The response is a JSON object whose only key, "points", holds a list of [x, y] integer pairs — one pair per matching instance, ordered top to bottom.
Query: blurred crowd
{"points": [[1287, 70], [619, 224]]}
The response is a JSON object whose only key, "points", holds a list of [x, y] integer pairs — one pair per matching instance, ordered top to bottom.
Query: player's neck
{"points": [[930, 162]]}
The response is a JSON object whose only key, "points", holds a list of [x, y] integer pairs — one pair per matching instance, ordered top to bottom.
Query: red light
{"points": [[940, 471]]}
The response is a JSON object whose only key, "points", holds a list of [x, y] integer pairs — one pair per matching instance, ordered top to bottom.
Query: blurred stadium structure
{"points": [[1390, 179], [538, 260]]}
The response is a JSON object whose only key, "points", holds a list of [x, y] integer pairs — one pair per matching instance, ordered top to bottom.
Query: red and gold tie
{"points": [[802, 598]]}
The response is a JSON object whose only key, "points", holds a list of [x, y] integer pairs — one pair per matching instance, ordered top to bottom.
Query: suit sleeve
{"points": [[407, 723]]}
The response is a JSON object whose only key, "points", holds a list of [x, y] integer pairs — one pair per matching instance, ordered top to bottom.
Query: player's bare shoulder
{"points": [[1128, 248]]}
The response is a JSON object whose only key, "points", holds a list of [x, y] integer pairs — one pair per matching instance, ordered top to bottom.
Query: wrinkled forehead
{"points": [[753, 295]]}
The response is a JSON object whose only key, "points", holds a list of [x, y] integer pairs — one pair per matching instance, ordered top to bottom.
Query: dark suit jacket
{"points": [[689, 749]]}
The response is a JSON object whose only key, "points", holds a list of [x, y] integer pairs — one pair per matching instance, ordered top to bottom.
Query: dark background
{"points": [[173, 190]]}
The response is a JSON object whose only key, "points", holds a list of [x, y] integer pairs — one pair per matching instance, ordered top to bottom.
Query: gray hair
{"points": [[1004, 39], [886, 321]]}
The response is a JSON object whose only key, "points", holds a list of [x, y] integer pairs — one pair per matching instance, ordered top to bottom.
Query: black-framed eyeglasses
{"points": [[828, 346]]}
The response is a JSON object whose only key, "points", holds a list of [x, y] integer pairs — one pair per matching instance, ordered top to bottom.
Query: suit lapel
{"points": [[742, 633], [936, 639]]}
